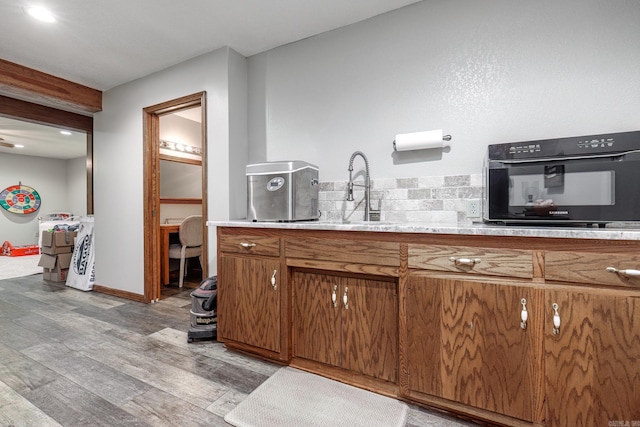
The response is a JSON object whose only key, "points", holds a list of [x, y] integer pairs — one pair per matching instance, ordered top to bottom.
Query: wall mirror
{"points": [[180, 180]]}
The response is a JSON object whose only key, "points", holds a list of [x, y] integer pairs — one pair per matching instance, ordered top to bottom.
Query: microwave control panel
{"points": [[590, 145]]}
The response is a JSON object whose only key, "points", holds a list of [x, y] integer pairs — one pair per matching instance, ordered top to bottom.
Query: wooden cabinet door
{"points": [[248, 304], [316, 319], [370, 328], [361, 335], [424, 335], [466, 344], [593, 361]]}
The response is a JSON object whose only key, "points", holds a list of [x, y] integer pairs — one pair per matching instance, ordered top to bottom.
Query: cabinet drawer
{"points": [[250, 244], [352, 251], [487, 261], [590, 268]]}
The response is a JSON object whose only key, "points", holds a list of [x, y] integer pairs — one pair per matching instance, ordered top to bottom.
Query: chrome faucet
{"points": [[366, 185]]}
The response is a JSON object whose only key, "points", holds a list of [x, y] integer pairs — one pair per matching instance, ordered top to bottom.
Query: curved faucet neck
{"points": [[366, 162], [367, 183]]}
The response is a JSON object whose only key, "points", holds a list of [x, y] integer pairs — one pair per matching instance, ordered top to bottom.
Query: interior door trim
{"points": [[151, 167]]}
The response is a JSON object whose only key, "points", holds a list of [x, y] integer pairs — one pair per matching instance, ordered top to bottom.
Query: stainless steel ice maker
{"points": [[282, 191]]}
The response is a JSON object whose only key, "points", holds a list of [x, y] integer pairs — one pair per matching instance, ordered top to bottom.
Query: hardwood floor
{"points": [[74, 358]]}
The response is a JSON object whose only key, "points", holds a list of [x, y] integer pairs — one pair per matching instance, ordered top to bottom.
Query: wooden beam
{"points": [[25, 83], [36, 113]]}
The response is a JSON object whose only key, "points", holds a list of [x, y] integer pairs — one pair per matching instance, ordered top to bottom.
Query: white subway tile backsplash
{"points": [[456, 180], [476, 180], [430, 181], [407, 182], [385, 183], [469, 192], [420, 193], [445, 193], [399, 194], [332, 195], [434, 199], [403, 205], [432, 205], [459, 205], [435, 217]]}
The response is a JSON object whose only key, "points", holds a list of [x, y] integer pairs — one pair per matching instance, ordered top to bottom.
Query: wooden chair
{"points": [[191, 237]]}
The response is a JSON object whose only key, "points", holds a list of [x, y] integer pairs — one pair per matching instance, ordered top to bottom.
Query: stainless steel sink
{"points": [[357, 222]]}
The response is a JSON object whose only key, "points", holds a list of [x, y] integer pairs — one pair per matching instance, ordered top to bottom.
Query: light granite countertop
{"points": [[611, 232]]}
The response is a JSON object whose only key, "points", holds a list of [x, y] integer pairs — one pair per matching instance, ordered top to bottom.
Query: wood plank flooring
{"points": [[74, 358]]}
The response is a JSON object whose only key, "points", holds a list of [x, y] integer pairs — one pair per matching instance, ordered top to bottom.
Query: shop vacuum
{"points": [[204, 318]]}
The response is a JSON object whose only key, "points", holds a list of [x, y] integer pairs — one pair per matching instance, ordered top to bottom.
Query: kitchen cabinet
{"points": [[474, 261], [585, 268], [250, 293], [249, 305], [437, 319], [348, 322], [468, 343], [592, 360]]}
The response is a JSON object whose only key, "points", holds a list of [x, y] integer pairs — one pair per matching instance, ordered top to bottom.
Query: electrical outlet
{"points": [[473, 208]]}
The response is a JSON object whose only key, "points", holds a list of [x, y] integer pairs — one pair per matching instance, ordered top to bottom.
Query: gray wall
{"points": [[484, 71], [118, 153], [61, 184], [77, 186]]}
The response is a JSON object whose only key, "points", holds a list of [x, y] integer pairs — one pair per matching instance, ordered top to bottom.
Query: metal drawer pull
{"points": [[248, 245], [464, 261], [627, 273], [273, 280], [334, 297], [345, 299], [524, 314], [556, 319]]}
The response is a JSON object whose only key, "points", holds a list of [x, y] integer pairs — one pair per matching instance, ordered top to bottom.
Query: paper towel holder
{"points": [[422, 140]]}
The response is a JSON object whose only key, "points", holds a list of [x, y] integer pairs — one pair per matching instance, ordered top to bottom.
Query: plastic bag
{"points": [[82, 269]]}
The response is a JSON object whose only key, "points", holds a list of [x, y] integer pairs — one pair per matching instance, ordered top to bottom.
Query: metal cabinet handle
{"points": [[247, 245], [465, 261], [627, 273], [273, 280], [334, 297], [345, 298], [524, 314], [556, 319]]}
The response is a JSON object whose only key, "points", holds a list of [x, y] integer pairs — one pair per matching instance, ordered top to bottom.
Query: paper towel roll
{"points": [[421, 140]]}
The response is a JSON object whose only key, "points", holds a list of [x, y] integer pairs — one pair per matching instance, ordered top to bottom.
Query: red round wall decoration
{"points": [[20, 199]]}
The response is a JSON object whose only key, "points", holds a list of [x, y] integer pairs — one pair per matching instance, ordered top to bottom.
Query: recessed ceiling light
{"points": [[41, 13], [65, 132], [6, 144], [18, 145]]}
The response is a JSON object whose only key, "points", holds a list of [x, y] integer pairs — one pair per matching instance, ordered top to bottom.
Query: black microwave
{"points": [[585, 180]]}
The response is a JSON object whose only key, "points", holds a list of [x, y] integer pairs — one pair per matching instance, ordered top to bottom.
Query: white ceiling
{"points": [[105, 43]]}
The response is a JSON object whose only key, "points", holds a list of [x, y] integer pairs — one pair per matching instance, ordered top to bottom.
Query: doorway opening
{"points": [[51, 151], [175, 182]]}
